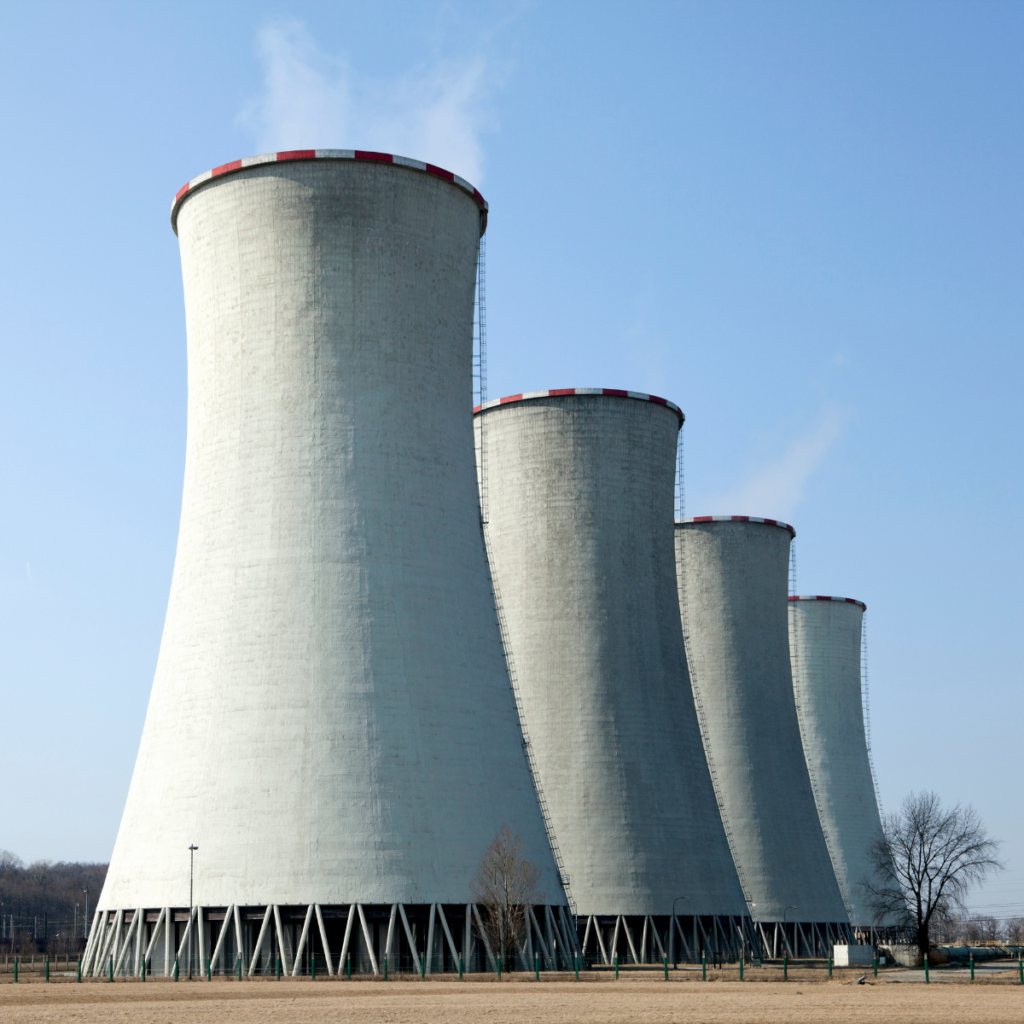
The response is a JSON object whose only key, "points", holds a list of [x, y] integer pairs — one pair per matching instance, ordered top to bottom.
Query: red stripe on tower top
{"points": [[298, 154], [380, 158], [224, 168], [440, 172], [181, 191], [561, 391], [615, 392], [511, 398], [655, 398], [703, 519], [740, 519]]}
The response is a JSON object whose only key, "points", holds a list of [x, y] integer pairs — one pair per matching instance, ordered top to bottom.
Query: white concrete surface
{"points": [[580, 506], [733, 590], [825, 649], [331, 719], [854, 956]]}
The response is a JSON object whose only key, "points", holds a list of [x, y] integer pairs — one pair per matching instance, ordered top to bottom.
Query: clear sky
{"points": [[800, 221]]}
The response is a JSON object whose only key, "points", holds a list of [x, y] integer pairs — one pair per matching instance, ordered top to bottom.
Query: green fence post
{"points": [[46, 963], [348, 965], [576, 965], [741, 965], [874, 965], [239, 966], [312, 966], [536, 966], [616, 966], [703, 966], [423, 967], [785, 967], [972, 967], [143, 968], [176, 968], [278, 968], [385, 968], [460, 968], [499, 968], [666, 968], [1020, 968], [15, 970], [79, 970], [111, 970], [209, 970], [926, 978]]}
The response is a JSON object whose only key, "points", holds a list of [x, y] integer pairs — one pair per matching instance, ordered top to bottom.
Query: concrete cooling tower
{"points": [[579, 509], [733, 583], [825, 649], [331, 722]]}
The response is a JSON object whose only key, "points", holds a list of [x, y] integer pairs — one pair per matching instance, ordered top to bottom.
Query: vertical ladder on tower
{"points": [[480, 394], [705, 733]]}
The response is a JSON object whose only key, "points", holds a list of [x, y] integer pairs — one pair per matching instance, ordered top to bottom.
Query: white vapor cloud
{"points": [[311, 100], [776, 489]]}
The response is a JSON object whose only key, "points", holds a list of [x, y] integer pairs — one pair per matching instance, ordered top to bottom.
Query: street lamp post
{"points": [[784, 913], [85, 920], [191, 932], [675, 961]]}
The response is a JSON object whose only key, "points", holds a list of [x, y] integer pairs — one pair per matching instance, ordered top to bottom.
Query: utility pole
{"points": [[85, 920], [191, 932]]}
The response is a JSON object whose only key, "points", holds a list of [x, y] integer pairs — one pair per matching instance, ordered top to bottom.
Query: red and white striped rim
{"points": [[322, 154], [527, 396], [736, 519], [823, 597]]}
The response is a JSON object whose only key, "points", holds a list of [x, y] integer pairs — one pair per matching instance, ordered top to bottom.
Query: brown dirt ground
{"points": [[630, 1001]]}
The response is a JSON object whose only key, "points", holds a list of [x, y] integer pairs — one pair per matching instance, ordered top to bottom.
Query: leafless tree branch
{"points": [[926, 862], [505, 889]]}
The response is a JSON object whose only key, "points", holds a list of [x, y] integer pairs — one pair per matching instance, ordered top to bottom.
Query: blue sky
{"points": [[801, 222]]}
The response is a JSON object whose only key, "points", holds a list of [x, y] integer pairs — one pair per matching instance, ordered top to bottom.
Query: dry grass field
{"points": [[630, 1001]]}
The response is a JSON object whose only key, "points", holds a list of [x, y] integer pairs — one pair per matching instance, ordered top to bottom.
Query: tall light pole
{"points": [[191, 874], [784, 913], [85, 920], [675, 961]]}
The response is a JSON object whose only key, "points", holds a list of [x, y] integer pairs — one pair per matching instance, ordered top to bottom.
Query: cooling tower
{"points": [[578, 487], [733, 583], [825, 649], [331, 722]]}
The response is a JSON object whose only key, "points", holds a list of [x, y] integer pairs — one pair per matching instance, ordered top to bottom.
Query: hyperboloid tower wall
{"points": [[579, 511], [733, 588], [825, 649], [331, 721]]}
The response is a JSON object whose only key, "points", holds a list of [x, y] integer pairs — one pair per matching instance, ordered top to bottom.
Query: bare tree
{"points": [[926, 862], [505, 889], [1013, 930]]}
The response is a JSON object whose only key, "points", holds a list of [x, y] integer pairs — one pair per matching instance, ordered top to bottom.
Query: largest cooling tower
{"points": [[579, 505], [733, 582], [825, 649], [331, 721]]}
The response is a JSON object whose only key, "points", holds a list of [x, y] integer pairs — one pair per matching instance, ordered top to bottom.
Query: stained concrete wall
{"points": [[580, 501], [733, 594], [825, 650], [331, 718]]}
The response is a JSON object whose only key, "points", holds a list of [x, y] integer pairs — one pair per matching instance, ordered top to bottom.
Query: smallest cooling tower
{"points": [[733, 585], [825, 648]]}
